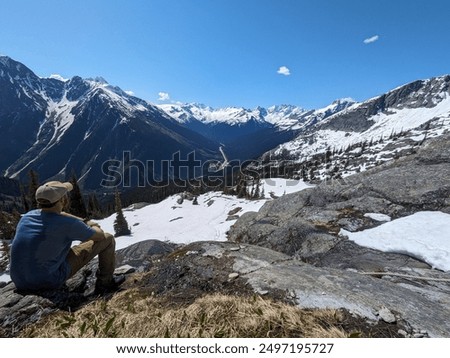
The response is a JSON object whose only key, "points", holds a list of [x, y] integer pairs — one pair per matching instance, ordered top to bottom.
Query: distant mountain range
{"points": [[57, 126], [250, 132]]}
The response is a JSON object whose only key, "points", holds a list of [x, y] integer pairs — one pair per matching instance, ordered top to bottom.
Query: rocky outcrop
{"points": [[306, 224], [205, 267], [201, 268], [332, 271]]}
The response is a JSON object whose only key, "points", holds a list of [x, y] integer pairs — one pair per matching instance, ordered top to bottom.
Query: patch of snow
{"points": [[59, 78], [120, 100], [60, 113], [285, 116], [279, 187], [425, 235], [4, 277]]}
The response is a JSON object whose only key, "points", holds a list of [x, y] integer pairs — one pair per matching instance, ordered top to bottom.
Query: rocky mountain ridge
{"points": [[416, 109], [283, 117], [56, 127], [370, 133]]}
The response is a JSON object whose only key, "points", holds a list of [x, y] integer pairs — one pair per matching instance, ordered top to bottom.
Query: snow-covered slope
{"points": [[288, 117], [385, 123], [365, 134], [185, 222]]}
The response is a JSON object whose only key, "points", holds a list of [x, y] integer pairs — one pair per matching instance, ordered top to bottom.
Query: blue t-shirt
{"points": [[40, 247]]}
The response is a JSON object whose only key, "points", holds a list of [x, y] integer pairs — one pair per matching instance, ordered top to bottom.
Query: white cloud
{"points": [[371, 39], [283, 70], [130, 93], [163, 96]]}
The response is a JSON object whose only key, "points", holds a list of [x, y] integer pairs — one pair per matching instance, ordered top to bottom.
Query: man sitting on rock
{"points": [[42, 255]]}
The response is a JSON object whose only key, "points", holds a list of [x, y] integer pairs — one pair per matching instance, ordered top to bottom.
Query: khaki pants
{"points": [[81, 254]]}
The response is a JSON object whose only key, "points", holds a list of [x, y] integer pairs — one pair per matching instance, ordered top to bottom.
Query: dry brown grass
{"points": [[130, 314]]}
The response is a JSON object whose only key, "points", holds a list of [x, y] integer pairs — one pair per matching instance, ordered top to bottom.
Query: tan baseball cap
{"points": [[52, 191]]}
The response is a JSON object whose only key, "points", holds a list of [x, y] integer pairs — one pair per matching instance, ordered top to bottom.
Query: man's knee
{"points": [[110, 238]]}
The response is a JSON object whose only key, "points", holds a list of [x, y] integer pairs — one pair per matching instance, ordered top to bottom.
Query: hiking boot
{"points": [[113, 285]]}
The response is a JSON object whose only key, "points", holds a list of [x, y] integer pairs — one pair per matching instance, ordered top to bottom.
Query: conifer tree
{"points": [[32, 187], [241, 189], [256, 193], [25, 204], [77, 206], [94, 209], [8, 224], [120, 224]]}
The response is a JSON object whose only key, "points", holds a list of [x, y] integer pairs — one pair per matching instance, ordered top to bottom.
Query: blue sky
{"points": [[233, 52]]}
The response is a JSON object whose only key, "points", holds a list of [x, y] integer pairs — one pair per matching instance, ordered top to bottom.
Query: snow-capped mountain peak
{"points": [[58, 77], [97, 79], [336, 106], [188, 112], [283, 117]]}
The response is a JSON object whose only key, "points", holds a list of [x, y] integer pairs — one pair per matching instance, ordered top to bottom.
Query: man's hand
{"points": [[86, 221], [92, 223], [98, 235]]}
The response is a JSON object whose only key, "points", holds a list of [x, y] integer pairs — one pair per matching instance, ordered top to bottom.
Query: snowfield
{"points": [[185, 223], [425, 235]]}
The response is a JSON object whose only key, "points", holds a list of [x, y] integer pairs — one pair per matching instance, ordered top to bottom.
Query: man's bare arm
{"points": [[99, 233]]}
